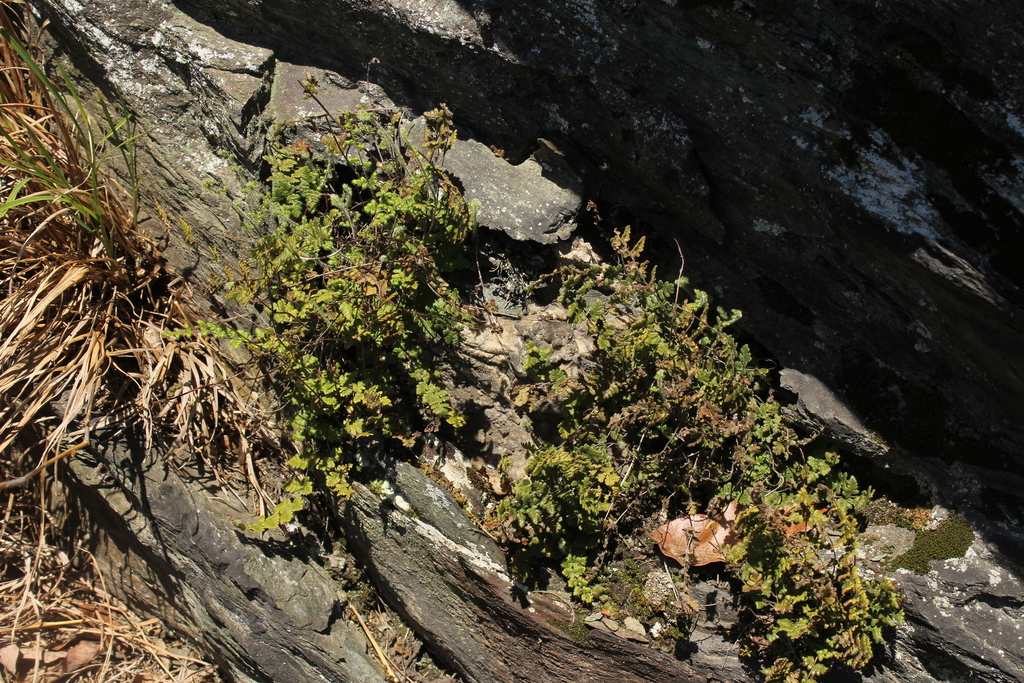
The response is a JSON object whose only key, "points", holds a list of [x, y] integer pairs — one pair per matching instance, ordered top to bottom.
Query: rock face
{"points": [[849, 173], [536, 201], [170, 547], [449, 581], [978, 609]]}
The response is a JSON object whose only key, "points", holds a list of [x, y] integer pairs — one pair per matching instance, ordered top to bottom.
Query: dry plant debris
{"points": [[85, 303], [84, 307], [697, 540], [58, 623], [398, 649]]}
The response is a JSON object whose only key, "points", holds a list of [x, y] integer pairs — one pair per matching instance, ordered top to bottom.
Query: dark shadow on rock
{"points": [[808, 158], [169, 548]]}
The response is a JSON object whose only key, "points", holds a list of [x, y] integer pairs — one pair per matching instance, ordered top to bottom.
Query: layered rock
{"points": [[849, 174], [169, 546]]}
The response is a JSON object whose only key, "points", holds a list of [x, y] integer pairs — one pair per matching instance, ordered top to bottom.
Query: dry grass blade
{"points": [[60, 224], [84, 310], [82, 328], [25, 478], [68, 628]]}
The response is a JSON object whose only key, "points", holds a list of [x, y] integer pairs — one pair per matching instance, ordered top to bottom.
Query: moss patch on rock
{"points": [[883, 511], [951, 539], [576, 629]]}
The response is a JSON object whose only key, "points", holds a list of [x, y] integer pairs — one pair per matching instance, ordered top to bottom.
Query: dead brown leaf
{"points": [[798, 528], [676, 538], [697, 540], [80, 654], [9, 656], [27, 663]]}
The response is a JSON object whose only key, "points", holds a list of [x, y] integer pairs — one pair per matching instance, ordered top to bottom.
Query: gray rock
{"points": [[288, 101], [803, 158], [847, 173], [534, 201], [489, 358], [821, 409], [438, 508], [881, 542], [719, 606], [261, 609], [469, 610], [965, 620], [632, 624]]}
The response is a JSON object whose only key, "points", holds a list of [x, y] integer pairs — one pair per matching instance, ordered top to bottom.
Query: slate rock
{"points": [[843, 171], [533, 201], [822, 409], [885, 541], [167, 546], [467, 608], [965, 619]]}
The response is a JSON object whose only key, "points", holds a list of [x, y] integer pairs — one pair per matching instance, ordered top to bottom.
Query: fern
{"points": [[350, 279], [670, 406]]}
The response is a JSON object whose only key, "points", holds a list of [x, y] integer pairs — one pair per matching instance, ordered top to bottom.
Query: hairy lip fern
{"points": [[350, 278], [355, 311], [669, 405]]}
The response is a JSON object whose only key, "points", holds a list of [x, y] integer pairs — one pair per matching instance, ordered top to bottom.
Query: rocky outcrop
{"points": [[848, 173], [535, 201], [169, 546], [449, 581], [964, 618]]}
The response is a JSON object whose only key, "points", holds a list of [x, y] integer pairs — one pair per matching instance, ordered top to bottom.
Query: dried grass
{"points": [[68, 256], [86, 304], [84, 309], [58, 623], [400, 649]]}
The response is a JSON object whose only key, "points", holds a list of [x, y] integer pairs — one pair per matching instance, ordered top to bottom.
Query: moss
{"points": [[884, 511], [951, 539], [625, 584], [577, 630], [673, 633]]}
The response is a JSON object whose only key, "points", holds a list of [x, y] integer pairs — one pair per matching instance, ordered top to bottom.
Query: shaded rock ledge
{"points": [[847, 174], [168, 546]]}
